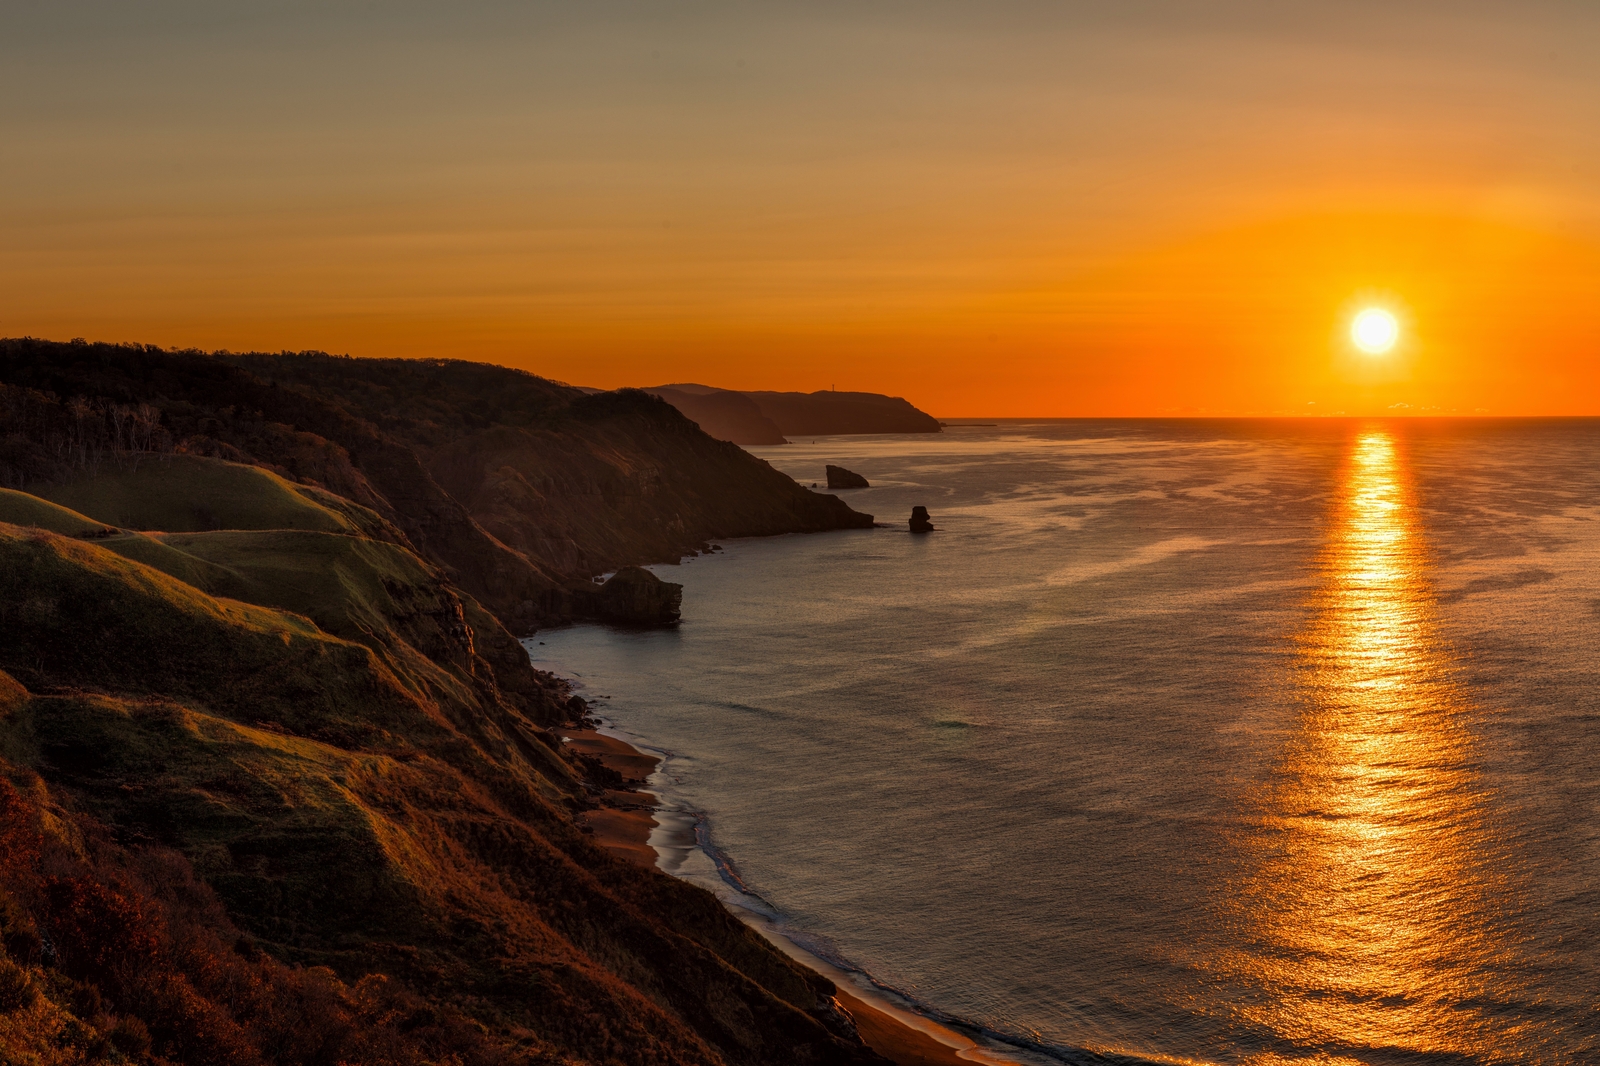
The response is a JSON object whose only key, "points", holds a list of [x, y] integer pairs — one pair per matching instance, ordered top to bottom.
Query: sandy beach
{"points": [[623, 824]]}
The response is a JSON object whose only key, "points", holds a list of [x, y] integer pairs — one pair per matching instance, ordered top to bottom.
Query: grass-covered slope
{"points": [[64, 409], [518, 488], [189, 493], [26, 509], [76, 613], [259, 715], [362, 803], [116, 954]]}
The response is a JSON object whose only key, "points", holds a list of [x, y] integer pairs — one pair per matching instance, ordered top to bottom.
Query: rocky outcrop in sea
{"points": [[840, 478], [636, 597]]}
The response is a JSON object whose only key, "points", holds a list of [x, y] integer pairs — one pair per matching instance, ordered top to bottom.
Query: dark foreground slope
{"points": [[519, 488], [277, 786], [314, 824]]}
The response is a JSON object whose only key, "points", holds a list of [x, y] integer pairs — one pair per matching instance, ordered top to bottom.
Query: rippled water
{"points": [[1218, 742]]}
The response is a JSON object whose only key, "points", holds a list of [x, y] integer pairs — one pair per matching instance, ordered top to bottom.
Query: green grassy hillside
{"points": [[521, 489], [190, 493], [25, 509], [148, 548], [352, 587], [370, 592], [373, 592], [78, 613], [275, 788], [358, 804]]}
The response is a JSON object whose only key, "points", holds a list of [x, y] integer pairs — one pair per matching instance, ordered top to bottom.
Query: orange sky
{"points": [[1017, 208]]}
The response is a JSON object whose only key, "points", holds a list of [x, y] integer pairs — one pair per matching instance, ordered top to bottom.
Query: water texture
{"points": [[1243, 742]]}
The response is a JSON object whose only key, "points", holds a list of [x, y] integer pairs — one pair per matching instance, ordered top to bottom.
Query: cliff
{"points": [[519, 489], [277, 785], [285, 794]]}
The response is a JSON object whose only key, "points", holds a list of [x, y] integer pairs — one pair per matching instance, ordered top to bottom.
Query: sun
{"points": [[1375, 331]]}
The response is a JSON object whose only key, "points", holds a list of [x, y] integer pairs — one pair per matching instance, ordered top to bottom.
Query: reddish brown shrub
{"points": [[135, 936]]}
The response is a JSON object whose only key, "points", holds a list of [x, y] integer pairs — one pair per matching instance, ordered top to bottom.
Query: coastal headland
{"points": [[773, 417], [278, 782]]}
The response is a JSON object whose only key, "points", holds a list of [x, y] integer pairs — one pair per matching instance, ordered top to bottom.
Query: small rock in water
{"points": [[840, 478], [920, 522]]}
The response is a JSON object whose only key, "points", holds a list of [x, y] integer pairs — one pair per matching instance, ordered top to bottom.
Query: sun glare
{"points": [[1374, 331]]}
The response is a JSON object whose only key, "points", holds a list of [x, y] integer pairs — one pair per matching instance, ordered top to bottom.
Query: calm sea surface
{"points": [[1240, 742]]}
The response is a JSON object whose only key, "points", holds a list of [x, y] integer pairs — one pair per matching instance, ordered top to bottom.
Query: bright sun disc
{"points": [[1375, 331]]}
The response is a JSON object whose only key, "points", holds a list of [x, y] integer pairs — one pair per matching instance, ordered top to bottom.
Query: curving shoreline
{"points": [[636, 830]]}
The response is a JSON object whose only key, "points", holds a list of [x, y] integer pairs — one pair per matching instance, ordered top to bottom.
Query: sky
{"points": [[1007, 208]]}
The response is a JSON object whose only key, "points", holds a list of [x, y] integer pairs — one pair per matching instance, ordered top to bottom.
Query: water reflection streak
{"points": [[1371, 904]]}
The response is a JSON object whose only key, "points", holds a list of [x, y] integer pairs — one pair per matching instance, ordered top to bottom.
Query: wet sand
{"points": [[624, 824], [905, 1038], [897, 1041]]}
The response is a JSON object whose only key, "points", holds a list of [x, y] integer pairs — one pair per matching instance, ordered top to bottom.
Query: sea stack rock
{"points": [[840, 478], [920, 523], [636, 597]]}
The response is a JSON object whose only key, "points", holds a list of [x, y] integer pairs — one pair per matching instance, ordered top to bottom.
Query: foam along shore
{"points": [[629, 825]]}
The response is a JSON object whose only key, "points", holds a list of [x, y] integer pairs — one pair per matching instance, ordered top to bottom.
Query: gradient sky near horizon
{"points": [[1006, 208]]}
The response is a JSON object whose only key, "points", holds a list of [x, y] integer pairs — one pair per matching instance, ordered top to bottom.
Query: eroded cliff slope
{"points": [[519, 488], [277, 785], [219, 794]]}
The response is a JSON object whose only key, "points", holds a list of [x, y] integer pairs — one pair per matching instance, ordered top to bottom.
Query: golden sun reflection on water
{"points": [[1365, 910]]}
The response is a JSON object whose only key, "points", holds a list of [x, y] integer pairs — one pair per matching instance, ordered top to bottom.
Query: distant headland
{"points": [[773, 417]]}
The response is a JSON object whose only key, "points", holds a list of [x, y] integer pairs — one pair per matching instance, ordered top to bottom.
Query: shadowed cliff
{"points": [[519, 488], [236, 754], [276, 783]]}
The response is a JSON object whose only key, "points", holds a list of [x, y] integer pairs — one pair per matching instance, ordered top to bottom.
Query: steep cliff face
{"points": [[628, 478], [576, 483], [519, 488], [329, 769], [276, 786]]}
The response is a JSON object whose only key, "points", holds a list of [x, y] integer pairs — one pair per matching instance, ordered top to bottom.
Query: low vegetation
{"points": [[518, 488], [189, 493], [277, 784], [263, 799]]}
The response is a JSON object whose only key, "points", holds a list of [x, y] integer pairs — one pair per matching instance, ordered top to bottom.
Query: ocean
{"points": [[1196, 741]]}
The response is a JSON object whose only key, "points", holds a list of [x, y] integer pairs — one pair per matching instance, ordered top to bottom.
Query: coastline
{"points": [[629, 824]]}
